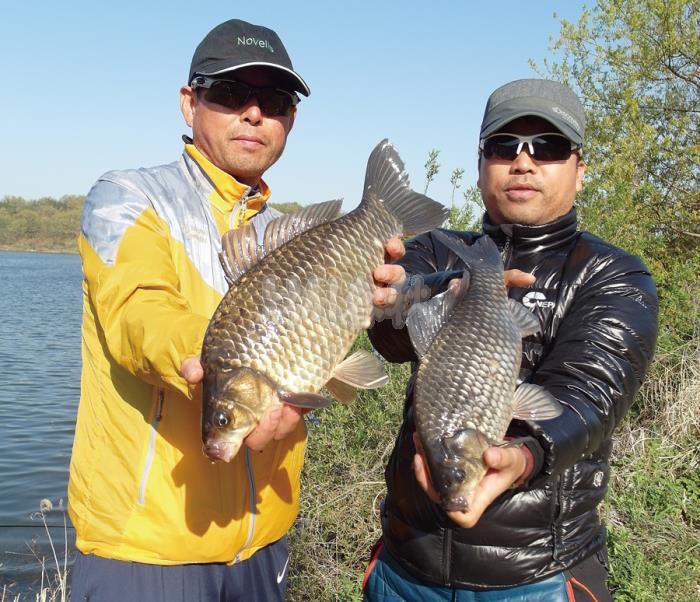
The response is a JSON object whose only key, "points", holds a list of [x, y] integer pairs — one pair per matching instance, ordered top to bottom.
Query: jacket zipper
{"points": [[506, 253], [151, 447], [557, 494], [253, 496], [447, 557]]}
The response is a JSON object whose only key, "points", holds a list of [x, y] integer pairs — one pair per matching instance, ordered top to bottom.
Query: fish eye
{"points": [[220, 419]]}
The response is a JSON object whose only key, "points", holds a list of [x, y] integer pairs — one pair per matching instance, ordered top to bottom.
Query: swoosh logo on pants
{"points": [[280, 575]]}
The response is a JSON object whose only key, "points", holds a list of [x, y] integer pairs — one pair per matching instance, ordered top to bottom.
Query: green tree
{"points": [[636, 65], [432, 168], [456, 181], [289, 207], [468, 216], [44, 224]]}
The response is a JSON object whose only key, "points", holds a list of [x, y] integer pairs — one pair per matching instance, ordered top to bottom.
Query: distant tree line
{"points": [[45, 224], [51, 225]]}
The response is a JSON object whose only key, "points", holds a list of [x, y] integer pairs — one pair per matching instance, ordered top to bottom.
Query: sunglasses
{"points": [[273, 102], [543, 147]]}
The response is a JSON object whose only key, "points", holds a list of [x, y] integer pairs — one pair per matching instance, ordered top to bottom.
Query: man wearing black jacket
{"points": [[532, 530]]}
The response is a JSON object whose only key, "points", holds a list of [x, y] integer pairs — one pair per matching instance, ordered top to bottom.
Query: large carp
{"points": [[299, 295], [469, 343]]}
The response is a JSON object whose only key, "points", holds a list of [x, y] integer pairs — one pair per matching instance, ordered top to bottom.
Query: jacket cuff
{"points": [[534, 454]]}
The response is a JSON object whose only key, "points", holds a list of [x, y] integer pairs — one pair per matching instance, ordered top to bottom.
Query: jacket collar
{"points": [[533, 239]]}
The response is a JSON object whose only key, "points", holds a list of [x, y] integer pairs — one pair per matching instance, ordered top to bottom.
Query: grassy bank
{"points": [[652, 509]]}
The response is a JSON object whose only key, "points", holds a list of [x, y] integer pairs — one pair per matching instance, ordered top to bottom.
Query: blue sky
{"points": [[92, 86]]}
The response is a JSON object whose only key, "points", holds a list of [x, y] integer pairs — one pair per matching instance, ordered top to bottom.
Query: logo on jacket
{"points": [[536, 299]]}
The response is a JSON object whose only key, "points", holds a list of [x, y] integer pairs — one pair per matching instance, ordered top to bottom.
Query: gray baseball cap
{"points": [[543, 98]]}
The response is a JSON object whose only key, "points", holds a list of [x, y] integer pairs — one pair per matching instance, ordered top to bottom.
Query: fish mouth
{"points": [[221, 450], [456, 504]]}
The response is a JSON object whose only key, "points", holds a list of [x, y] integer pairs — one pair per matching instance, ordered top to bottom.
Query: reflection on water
{"points": [[40, 312]]}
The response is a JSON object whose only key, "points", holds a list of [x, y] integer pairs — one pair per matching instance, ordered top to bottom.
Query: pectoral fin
{"points": [[523, 318], [361, 370], [341, 391], [532, 402]]}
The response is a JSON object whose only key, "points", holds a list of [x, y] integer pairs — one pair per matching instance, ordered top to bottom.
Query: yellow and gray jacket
{"points": [[140, 487]]}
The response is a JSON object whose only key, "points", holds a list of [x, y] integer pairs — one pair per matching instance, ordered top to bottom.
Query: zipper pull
{"points": [[505, 251]]}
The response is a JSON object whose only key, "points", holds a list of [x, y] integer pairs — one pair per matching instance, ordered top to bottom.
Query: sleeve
{"points": [[427, 274], [149, 327], [597, 361]]}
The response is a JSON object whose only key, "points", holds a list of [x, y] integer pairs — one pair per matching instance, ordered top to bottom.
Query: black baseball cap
{"points": [[236, 44], [543, 98]]}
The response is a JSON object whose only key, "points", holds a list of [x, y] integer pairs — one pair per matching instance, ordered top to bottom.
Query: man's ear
{"points": [[188, 103], [292, 117], [580, 169]]}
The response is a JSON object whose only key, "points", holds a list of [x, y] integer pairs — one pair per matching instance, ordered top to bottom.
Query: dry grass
{"points": [[342, 487], [653, 508], [652, 511], [54, 577]]}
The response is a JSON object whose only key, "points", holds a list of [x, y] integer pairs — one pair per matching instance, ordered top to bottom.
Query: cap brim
{"points": [[293, 79], [509, 110], [559, 125]]}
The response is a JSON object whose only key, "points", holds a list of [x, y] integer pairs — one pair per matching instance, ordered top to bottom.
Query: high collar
{"points": [[229, 190], [533, 239]]}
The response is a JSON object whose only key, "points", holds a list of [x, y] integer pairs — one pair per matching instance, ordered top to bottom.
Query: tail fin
{"points": [[386, 178]]}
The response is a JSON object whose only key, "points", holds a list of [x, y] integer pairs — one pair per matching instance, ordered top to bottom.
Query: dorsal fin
{"points": [[282, 229], [240, 248], [239, 252]]}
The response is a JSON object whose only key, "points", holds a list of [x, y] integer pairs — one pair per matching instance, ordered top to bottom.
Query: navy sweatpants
{"points": [[261, 578]]}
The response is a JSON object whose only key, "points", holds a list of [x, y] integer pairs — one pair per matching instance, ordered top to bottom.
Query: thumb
{"points": [[191, 370], [496, 458]]}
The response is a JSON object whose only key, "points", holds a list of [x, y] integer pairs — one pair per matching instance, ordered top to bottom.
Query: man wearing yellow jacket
{"points": [[155, 519]]}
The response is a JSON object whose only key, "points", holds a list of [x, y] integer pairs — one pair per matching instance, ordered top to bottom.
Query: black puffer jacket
{"points": [[597, 306]]}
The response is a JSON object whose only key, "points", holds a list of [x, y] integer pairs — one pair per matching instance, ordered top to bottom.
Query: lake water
{"points": [[40, 313]]}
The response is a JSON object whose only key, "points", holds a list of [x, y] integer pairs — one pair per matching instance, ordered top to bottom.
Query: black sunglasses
{"points": [[232, 94], [549, 146]]}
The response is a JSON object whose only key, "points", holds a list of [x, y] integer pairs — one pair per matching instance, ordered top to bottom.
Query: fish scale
{"points": [[297, 303], [490, 392]]}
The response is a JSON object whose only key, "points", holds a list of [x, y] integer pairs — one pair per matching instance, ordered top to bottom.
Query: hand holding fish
{"points": [[389, 277], [276, 423], [505, 466]]}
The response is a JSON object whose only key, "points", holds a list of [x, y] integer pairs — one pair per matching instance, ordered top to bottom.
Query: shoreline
{"points": [[7, 249]]}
